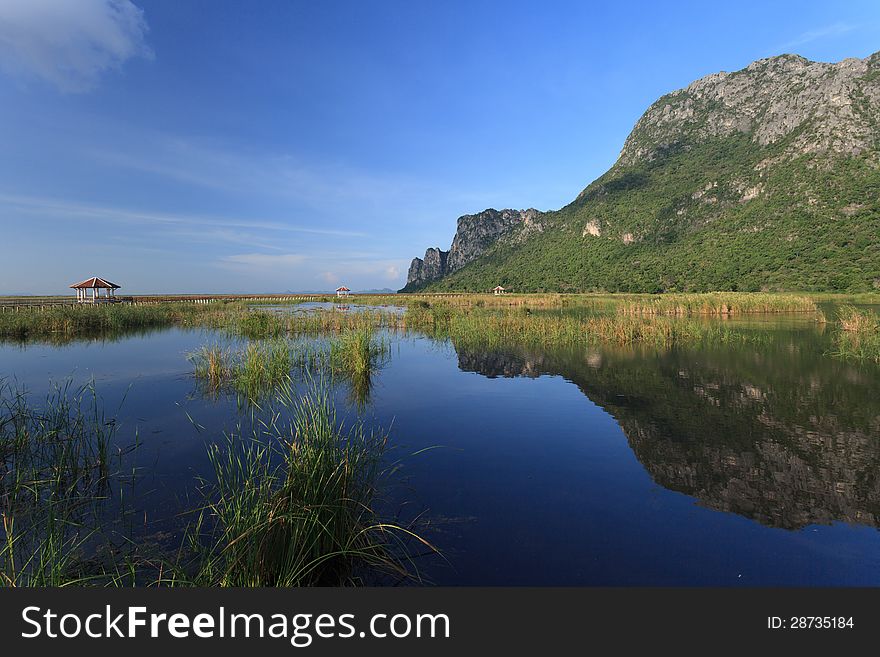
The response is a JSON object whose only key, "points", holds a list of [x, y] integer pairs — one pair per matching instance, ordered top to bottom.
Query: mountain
{"points": [[766, 178], [475, 234]]}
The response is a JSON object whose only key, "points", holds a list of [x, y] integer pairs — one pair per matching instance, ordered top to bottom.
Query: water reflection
{"points": [[311, 307], [97, 337], [780, 435]]}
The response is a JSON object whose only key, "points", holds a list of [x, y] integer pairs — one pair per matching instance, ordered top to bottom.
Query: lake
{"points": [[734, 465]]}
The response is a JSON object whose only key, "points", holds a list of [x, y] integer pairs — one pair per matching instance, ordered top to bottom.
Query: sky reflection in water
{"points": [[727, 466]]}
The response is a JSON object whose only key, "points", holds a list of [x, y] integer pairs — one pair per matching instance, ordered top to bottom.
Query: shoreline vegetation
{"points": [[718, 304], [660, 321], [291, 499]]}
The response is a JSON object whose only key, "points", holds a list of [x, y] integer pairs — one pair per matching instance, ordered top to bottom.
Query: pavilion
{"points": [[95, 284], [498, 290], [342, 291]]}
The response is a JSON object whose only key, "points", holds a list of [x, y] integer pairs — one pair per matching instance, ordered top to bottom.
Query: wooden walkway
{"points": [[13, 304]]}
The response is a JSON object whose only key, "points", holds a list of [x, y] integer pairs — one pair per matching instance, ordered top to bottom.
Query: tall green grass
{"points": [[716, 303], [236, 318], [109, 319], [245, 320], [262, 324], [495, 328], [357, 351], [355, 356], [258, 367], [255, 368], [54, 480], [293, 504]]}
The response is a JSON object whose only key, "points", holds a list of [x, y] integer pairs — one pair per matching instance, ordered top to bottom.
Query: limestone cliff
{"points": [[475, 234]]}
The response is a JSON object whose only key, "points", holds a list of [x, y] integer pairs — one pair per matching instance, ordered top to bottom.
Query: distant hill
{"points": [[764, 178]]}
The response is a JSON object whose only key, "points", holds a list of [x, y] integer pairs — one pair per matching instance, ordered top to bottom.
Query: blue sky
{"points": [[208, 146]]}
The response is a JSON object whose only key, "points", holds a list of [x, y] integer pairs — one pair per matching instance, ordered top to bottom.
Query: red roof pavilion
{"points": [[95, 284]]}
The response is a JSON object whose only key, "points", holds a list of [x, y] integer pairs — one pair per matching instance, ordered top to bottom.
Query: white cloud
{"points": [[70, 43], [220, 228]]}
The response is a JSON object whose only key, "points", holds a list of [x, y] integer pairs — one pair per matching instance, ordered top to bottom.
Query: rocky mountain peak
{"points": [[771, 99], [475, 234]]}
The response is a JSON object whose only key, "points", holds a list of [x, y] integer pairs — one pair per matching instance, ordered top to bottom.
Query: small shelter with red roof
{"points": [[95, 284], [498, 290], [342, 291]]}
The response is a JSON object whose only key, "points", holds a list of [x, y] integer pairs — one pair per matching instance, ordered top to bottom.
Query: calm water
{"points": [[310, 307], [755, 465]]}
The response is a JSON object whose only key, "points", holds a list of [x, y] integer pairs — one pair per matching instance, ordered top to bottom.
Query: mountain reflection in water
{"points": [[785, 437]]}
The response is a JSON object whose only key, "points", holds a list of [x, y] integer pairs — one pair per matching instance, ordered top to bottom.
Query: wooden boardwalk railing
{"points": [[24, 303], [12, 304]]}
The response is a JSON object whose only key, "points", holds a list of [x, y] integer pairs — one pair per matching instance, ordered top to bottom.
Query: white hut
{"points": [[498, 290], [342, 291]]}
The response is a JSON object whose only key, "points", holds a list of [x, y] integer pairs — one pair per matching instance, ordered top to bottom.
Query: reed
{"points": [[502, 301], [716, 303], [109, 319], [250, 320], [854, 320], [258, 324], [495, 328], [858, 337], [357, 352], [355, 356], [258, 367], [255, 368], [54, 479], [293, 504]]}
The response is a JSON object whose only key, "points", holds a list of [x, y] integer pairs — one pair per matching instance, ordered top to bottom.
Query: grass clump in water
{"points": [[260, 324], [859, 334], [357, 352], [355, 356], [259, 367], [253, 370], [293, 504]]}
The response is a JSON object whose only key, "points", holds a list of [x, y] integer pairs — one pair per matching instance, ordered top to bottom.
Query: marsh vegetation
{"points": [[656, 320], [859, 334], [257, 367], [57, 469], [293, 492], [290, 500], [293, 504]]}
